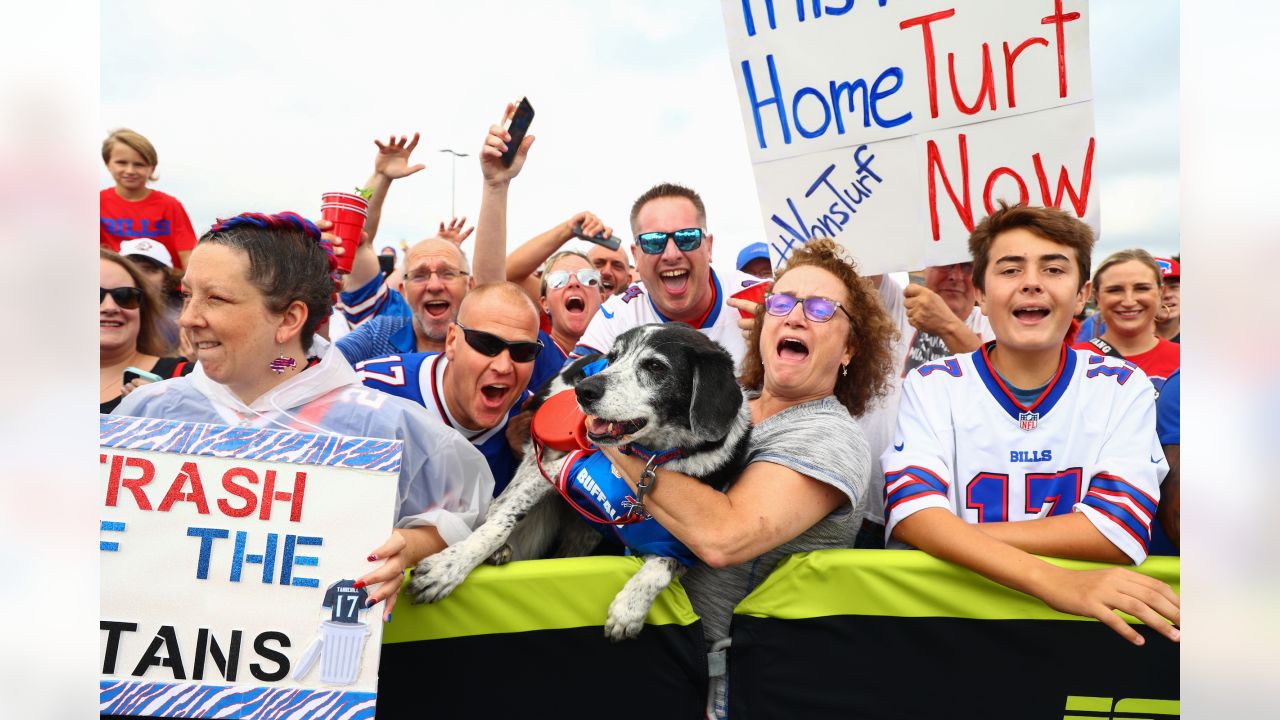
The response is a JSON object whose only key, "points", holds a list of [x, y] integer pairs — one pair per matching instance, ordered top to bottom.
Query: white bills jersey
{"points": [[634, 308], [1088, 443]]}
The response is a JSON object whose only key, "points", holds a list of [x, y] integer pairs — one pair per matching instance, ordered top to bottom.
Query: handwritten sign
{"points": [[894, 127], [228, 557]]}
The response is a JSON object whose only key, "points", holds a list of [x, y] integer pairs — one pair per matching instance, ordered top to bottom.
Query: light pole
{"points": [[453, 164]]}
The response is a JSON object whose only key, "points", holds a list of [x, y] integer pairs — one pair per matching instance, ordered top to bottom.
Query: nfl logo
{"points": [[1027, 420]]}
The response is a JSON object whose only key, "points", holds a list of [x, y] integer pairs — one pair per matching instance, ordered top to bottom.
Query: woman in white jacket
{"points": [[257, 287]]}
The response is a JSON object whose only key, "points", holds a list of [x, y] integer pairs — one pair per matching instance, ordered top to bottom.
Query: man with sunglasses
{"points": [[673, 256], [935, 319], [481, 378]]}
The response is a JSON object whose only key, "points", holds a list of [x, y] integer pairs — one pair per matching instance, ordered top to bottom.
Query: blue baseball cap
{"points": [[751, 252]]}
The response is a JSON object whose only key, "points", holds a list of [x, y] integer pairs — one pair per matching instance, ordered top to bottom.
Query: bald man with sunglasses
{"points": [[673, 256], [481, 379]]}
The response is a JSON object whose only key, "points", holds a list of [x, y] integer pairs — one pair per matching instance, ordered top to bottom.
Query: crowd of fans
{"points": [[872, 403]]}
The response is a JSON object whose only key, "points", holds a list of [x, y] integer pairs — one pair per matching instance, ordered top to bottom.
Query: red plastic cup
{"points": [[348, 213], [755, 293]]}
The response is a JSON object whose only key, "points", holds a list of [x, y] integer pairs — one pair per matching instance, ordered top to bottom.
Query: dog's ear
{"points": [[716, 397]]}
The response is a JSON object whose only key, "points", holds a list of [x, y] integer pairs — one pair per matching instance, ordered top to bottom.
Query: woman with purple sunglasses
{"points": [[817, 356]]}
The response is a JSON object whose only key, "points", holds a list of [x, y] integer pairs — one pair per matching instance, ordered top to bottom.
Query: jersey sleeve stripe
{"points": [[364, 302], [358, 314], [908, 483], [1119, 485], [912, 491], [1122, 499], [1122, 517]]}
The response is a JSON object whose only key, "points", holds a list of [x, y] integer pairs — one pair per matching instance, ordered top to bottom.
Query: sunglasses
{"points": [[653, 243], [589, 277], [126, 297], [817, 309], [491, 345]]}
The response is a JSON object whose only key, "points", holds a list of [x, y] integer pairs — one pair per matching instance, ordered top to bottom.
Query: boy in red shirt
{"points": [[131, 209]]}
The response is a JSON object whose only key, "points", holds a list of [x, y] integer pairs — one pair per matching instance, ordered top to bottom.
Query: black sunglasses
{"points": [[653, 243], [126, 297], [817, 309], [491, 345]]}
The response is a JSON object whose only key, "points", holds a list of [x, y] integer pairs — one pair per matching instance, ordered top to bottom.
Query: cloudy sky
{"points": [[263, 106]]}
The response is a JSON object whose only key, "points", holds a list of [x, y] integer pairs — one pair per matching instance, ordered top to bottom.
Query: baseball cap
{"points": [[147, 248], [751, 252], [1169, 269]]}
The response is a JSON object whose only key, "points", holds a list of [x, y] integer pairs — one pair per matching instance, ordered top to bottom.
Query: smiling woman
{"points": [[257, 287], [1128, 289], [129, 338]]}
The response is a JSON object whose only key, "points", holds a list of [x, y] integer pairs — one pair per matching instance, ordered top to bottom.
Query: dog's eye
{"points": [[653, 366]]}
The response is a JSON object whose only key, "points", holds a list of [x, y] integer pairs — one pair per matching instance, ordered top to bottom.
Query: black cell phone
{"points": [[518, 125], [612, 242], [387, 263]]}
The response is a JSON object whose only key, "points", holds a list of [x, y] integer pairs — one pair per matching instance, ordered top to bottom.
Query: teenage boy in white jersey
{"points": [[673, 255], [1028, 447]]}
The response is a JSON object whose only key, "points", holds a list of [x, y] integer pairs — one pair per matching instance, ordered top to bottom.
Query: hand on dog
{"points": [[518, 430], [389, 575]]}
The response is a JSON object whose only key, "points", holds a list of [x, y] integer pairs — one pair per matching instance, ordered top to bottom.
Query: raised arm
{"points": [[391, 163], [525, 260], [489, 262]]}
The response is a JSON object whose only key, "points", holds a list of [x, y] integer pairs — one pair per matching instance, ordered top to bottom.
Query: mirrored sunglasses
{"points": [[653, 243], [588, 277], [127, 298], [817, 309], [491, 345]]}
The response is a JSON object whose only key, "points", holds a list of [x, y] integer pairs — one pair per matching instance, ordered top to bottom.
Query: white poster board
{"points": [[892, 126], [222, 552]]}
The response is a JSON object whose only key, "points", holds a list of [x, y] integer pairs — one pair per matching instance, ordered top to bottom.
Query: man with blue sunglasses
{"points": [[672, 250]]}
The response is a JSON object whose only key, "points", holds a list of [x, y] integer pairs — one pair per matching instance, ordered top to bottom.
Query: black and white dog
{"points": [[666, 386]]}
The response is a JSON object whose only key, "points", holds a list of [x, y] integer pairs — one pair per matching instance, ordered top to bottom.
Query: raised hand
{"points": [[491, 153], [392, 160], [455, 232]]}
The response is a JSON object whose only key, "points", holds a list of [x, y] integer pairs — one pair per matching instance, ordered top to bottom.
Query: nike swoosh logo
{"points": [[606, 313], [899, 446], [1156, 460]]}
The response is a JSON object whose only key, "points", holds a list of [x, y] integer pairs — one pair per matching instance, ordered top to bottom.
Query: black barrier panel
{"points": [[863, 666], [571, 673]]}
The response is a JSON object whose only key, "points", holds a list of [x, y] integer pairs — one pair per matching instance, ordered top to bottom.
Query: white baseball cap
{"points": [[147, 248]]}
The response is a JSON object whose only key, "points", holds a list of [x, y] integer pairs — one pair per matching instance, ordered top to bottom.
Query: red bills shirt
{"points": [[157, 216]]}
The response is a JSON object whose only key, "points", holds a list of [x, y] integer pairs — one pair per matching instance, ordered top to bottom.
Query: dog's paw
{"points": [[500, 557], [436, 577], [626, 619]]}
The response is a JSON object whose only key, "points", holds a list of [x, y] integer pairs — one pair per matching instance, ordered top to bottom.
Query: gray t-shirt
{"points": [[818, 439]]}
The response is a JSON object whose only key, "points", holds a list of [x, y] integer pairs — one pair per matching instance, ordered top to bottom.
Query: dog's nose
{"points": [[589, 390]]}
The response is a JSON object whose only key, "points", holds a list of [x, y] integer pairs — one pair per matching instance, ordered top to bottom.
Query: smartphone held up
{"points": [[517, 123]]}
